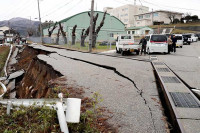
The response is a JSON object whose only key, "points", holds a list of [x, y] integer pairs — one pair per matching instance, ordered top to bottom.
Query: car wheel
{"points": [[181, 46], [122, 53]]}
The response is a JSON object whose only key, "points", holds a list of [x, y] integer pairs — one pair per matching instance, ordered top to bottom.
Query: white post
{"points": [[9, 105], [61, 118]]}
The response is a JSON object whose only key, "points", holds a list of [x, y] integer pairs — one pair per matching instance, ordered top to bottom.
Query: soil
{"points": [[42, 81]]}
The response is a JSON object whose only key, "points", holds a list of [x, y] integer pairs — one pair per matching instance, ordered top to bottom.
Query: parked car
{"points": [[198, 35], [179, 38], [194, 38], [187, 39], [104, 43], [157, 43], [125, 44]]}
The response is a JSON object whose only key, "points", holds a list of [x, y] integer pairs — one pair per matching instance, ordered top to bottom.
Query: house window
{"points": [[125, 14], [155, 14], [147, 15], [141, 17], [138, 22], [129, 32], [133, 32]]}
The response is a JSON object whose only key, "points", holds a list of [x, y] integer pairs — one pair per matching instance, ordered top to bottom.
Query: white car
{"points": [[179, 38], [194, 38], [156, 43], [126, 44]]}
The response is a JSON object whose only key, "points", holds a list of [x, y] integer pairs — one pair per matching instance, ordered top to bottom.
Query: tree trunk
{"points": [[65, 39], [57, 40], [73, 40], [83, 40], [94, 40]]}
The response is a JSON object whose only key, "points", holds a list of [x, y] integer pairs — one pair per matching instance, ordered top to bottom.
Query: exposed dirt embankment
{"points": [[37, 74]]}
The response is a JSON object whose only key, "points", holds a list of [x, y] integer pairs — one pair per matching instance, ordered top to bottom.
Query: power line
{"points": [[78, 2], [171, 6], [54, 11]]}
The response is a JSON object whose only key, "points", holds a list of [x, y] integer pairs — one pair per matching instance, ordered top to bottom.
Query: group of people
{"points": [[171, 44]]}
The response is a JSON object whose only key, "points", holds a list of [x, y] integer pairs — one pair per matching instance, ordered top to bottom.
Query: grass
{"points": [[177, 25], [178, 31], [77, 46], [4, 51], [44, 120]]}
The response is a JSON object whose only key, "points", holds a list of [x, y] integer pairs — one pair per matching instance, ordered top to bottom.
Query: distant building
{"points": [[126, 13], [159, 17], [111, 28], [2, 30], [138, 31], [6, 34]]}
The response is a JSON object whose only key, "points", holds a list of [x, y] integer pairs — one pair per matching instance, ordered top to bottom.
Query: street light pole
{"points": [[40, 20], [91, 26]]}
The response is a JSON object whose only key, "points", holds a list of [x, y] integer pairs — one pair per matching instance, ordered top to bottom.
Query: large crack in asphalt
{"points": [[139, 91]]}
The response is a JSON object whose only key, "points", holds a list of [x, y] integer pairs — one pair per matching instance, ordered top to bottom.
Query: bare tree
{"points": [[171, 16], [51, 31], [63, 33], [74, 34], [58, 35]]}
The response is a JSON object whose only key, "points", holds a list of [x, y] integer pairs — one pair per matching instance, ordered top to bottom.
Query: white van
{"points": [[179, 38], [125, 43], [156, 43]]}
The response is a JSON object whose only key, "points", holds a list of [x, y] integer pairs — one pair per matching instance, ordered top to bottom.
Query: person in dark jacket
{"points": [[174, 40], [143, 41]]}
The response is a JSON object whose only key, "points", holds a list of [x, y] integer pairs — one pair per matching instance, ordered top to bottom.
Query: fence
{"points": [[68, 110]]}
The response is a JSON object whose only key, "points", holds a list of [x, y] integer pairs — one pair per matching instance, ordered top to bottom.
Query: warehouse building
{"points": [[111, 28]]}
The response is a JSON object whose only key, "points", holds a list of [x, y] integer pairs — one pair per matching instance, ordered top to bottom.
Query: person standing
{"points": [[174, 40], [143, 41], [169, 41]]}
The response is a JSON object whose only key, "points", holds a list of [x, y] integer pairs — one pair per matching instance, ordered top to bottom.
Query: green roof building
{"points": [[111, 28]]}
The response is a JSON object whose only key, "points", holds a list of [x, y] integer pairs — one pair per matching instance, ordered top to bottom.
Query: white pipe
{"points": [[5, 66], [4, 89], [73, 110], [61, 118]]}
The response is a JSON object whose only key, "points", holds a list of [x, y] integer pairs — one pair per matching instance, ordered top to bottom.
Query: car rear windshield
{"points": [[188, 36], [125, 37], [178, 37], [158, 38]]}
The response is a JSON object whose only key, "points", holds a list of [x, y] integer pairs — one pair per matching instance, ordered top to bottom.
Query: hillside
{"points": [[20, 24]]}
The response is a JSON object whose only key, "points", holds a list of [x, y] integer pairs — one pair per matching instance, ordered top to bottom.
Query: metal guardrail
{"points": [[183, 105], [68, 110]]}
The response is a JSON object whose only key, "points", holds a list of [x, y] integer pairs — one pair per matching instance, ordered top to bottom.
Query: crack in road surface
{"points": [[139, 91]]}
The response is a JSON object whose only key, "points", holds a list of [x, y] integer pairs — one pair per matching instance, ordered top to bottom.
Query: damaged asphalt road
{"points": [[127, 87]]}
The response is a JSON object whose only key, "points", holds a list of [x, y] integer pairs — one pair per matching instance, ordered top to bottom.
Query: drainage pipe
{"points": [[6, 64], [4, 89]]}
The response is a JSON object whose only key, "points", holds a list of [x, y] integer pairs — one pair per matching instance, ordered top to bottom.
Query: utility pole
{"points": [[40, 20], [91, 26]]}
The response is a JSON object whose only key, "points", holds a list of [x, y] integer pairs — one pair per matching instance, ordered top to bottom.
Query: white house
{"points": [[160, 16], [138, 31]]}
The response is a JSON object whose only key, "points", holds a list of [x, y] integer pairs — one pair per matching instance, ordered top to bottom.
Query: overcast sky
{"points": [[60, 9]]}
